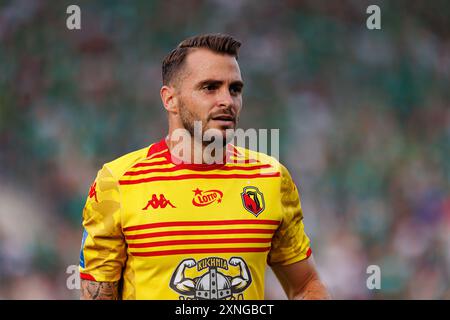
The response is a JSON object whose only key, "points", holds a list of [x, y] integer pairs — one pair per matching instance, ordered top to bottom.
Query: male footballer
{"points": [[160, 225]]}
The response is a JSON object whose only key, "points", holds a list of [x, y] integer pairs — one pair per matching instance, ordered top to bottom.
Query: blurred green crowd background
{"points": [[364, 119]]}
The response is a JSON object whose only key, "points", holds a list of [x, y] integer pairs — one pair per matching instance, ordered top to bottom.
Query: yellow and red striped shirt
{"points": [[189, 231]]}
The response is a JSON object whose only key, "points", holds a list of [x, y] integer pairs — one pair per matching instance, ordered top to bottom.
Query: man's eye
{"points": [[210, 87], [235, 90]]}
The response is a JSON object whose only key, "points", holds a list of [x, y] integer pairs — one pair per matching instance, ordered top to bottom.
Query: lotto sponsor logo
{"points": [[204, 198]]}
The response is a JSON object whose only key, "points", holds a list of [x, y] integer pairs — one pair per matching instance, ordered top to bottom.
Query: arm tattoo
{"points": [[93, 290]]}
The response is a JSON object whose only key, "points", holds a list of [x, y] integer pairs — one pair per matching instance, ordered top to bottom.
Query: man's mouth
{"points": [[223, 117]]}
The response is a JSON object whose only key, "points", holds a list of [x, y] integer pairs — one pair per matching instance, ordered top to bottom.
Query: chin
{"points": [[221, 131]]}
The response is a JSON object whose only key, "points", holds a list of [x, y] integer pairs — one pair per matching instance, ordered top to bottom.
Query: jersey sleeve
{"points": [[290, 243], [103, 249]]}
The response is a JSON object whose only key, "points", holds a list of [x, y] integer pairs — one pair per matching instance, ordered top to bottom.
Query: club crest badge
{"points": [[253, 200]]}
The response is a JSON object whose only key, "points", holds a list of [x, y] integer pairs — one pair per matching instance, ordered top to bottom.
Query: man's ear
{"points": [[169, 99]]}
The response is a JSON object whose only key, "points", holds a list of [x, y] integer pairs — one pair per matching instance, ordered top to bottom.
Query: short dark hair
{"points": [[220, 43]]}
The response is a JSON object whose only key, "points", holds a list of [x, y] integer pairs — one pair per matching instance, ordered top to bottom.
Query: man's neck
{"points": [[192, 151]]}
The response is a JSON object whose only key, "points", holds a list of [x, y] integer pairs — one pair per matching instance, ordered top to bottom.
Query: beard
{"points": [[188, 118]]}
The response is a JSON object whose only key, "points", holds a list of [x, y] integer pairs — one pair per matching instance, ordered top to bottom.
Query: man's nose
{"points": [[225, 98]]}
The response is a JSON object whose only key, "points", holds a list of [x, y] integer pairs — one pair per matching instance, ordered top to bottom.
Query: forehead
{"points": [[201, 64]]}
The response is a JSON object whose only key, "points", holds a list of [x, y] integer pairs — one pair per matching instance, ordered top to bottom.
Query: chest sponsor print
{"points": [[216, 279]]}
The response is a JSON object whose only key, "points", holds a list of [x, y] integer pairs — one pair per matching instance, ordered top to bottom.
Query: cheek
{"points": [[201, 102], [238, 104], [197, 105]]}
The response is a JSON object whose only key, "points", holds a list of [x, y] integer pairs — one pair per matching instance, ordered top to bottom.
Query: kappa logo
{"points": [[204, 198], [253, 200], [160, 202], [219, 282]]}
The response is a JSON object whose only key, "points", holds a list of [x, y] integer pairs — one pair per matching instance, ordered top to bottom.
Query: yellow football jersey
{"points": [[190, 231]]}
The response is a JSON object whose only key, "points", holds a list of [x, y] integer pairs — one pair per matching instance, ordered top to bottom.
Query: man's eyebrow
{"points": [[209, 82], [219, 82], [238, 83]]}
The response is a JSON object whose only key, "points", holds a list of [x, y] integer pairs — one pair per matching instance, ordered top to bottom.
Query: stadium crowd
{"points": [[364, 123]]}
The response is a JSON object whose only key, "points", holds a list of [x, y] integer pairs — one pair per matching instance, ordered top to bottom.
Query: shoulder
{"points": [[250, 156], [260, 158], [119, 166]]}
